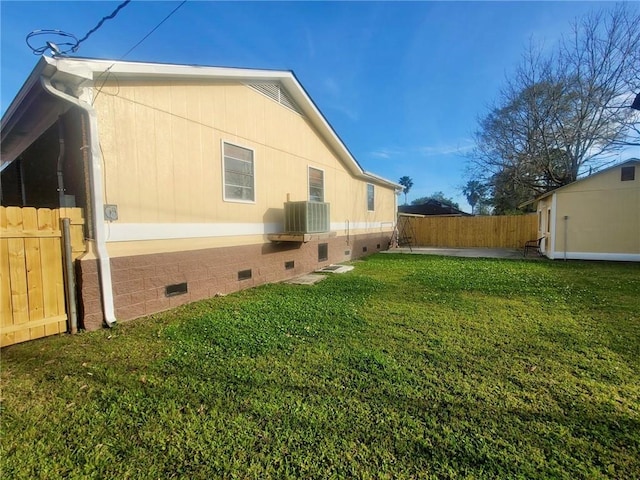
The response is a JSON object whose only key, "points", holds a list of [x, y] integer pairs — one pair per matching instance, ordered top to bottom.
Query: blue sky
{"points": [[402, 83]]}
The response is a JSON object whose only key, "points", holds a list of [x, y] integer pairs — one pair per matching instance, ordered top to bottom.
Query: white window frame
{"points": [[224, 179], [309, 183], [371, 208]]}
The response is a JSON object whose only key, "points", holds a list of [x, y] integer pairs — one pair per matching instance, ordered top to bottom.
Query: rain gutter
{"points": [[97, 202]]}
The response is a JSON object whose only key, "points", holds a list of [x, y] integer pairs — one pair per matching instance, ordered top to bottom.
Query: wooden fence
{"points": [[510, 231], [32, 295]]}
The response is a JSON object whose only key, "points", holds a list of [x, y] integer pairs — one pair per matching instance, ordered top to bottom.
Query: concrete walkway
{"points": [[511, 253]]}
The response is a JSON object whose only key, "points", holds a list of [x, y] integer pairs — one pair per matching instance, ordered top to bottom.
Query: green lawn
{"points": [[407, 367]]}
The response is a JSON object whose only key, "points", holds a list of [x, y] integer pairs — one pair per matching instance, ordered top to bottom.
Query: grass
{"points": [[407, 367]]}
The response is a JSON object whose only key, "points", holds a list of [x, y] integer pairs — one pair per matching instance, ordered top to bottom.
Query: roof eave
{"points": [[81, 70]]}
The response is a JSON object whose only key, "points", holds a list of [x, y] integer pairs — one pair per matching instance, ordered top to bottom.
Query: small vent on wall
{"points": [[275, 92], [628, 174], [364, 249], [323, 252], [289, 265], [244, 274], [177, 289]]}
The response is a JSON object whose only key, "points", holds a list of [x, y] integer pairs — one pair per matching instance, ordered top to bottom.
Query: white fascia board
{"points": [[82, 67], [141, 69], [388, 183]]}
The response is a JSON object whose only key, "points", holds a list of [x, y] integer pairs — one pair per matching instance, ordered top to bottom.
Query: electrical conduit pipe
{"points": [[97, 196]]}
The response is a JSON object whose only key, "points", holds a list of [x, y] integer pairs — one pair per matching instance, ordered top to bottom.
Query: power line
{"points": [[104, 19], [153, 30], [67, 41], [108, 69]]}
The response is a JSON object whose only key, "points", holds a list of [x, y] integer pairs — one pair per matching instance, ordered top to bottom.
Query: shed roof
{"points": [[631, 161], [432, 207]]}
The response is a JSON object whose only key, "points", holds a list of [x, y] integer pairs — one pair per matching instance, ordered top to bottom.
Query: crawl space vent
{"points": [[244, 274], [177, 289]]}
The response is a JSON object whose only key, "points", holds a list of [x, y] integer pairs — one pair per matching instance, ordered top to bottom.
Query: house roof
{"points": [[33, 110], [631, 161], [431, 207]]}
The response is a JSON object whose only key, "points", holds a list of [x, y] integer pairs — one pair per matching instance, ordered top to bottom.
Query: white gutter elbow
{"points": [[97, 199]]}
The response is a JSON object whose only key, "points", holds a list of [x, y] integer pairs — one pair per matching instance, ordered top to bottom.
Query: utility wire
{"points": [[104, 19], [153, 30], [67, 39], [108, 69]]}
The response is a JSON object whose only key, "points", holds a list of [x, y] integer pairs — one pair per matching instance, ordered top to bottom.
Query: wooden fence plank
{"points": [[473, 232], [49, 258], [33, 264], [18, 279], [32, 300], [6, 313]]}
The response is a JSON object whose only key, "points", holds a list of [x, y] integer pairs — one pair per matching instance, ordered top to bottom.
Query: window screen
{"points": [[238, 173], [371, 199]]}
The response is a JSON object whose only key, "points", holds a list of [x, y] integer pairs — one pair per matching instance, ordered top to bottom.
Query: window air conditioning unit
{"points": [[306, 217]]}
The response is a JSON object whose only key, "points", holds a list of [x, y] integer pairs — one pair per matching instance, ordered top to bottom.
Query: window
{"points": [[238, 174], [628, 174], [316, 185], [371, 197]]}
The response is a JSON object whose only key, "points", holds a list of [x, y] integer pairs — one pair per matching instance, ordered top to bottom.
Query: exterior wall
{"points": [[162, 146], [602, 218], [545, 224], [139, 281]]}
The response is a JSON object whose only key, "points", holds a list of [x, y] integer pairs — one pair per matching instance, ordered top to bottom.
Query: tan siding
{"points": [[162, 151], [599, 221]]}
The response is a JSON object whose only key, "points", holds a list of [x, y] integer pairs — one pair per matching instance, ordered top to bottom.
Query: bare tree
{"points": [[566, 114]]}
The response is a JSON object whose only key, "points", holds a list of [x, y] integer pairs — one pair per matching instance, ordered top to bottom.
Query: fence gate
{"points": [[32, 295]]}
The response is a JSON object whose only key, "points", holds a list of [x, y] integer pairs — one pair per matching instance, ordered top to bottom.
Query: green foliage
{"points": [[407, 183], [476, 193], [437, 196], [407, 367]]}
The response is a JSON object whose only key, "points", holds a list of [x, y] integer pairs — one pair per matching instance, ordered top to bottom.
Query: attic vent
{"points": [[275, 92], [628, 174]]}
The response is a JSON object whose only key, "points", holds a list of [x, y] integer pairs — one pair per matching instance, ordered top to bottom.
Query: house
{"points": [[194, 180], [432, 207], [594, 218]]}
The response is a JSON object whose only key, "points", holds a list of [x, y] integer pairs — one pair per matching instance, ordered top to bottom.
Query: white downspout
{"points": [[97, 199]]}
